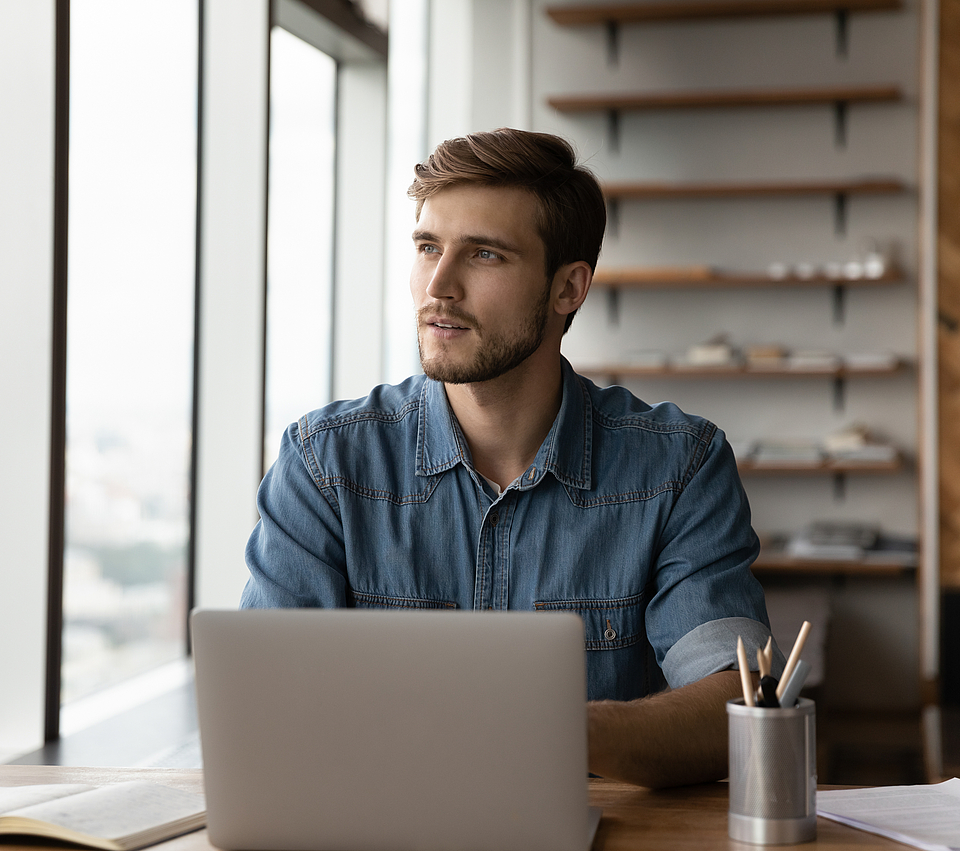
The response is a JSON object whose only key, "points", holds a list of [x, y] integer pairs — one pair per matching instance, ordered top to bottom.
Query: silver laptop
{"points": [[353, 730]]}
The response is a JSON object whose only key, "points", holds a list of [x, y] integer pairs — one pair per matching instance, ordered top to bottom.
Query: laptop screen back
{"points": [[390, 731]]}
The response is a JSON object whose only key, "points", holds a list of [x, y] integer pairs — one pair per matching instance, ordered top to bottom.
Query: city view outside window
{"points": [[303, 84], [132, 214]]}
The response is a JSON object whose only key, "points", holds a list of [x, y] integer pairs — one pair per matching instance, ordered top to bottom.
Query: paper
{"points": [[926, 817]]}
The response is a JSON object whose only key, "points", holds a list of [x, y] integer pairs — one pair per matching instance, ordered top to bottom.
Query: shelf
{"points": [[626, 13], [709, 99], [652, 191], [702, 277], [618, 371], [827, 466], [777, 562]]}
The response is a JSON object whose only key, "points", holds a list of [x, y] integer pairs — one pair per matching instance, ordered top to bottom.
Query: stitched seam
{"points": [[363, 416], [645, 424], [696, 459], [374, 493], [626, 496], [403, 602], [598, 605]]}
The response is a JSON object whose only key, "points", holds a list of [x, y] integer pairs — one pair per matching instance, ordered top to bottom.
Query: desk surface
{"points": [[634, 819]]}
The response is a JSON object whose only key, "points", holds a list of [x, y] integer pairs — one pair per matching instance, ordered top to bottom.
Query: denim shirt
{"points": [[631, 516]]}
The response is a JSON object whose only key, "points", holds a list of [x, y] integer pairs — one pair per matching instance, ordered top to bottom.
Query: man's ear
{"points": [[571, 285]]}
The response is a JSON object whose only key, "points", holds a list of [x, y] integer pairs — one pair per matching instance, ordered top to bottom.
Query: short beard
{"points": [[496, 356]]}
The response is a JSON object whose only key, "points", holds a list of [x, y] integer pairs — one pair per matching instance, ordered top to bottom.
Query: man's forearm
{"points": [[668, 739]]}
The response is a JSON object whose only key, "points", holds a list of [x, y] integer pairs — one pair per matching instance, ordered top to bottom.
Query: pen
{"points": [[794, 657], [745, 679], [791, 691], [768, 692]]}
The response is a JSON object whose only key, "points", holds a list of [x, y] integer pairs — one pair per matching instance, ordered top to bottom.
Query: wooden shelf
{"points": [[626, 13], [712, 99], [651, 191], [702, 277], [617, 371], [827, 466], [777, 562]]}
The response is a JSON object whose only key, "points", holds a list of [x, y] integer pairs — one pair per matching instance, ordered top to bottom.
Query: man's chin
{"points": [[447, 373]]}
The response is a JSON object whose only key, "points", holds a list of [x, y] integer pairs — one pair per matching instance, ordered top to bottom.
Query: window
{"points": [[132, 214], [300, 260]]}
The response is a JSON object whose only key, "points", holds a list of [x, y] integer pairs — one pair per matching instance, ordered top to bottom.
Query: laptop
{"points": [[359, 730]]}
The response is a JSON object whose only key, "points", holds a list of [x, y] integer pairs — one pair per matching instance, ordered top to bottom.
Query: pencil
{"points": [[794, 657], [762, 664], [745, 679]]}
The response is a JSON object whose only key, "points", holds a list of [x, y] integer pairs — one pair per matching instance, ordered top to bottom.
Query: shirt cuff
{"points": [[712, 647]]}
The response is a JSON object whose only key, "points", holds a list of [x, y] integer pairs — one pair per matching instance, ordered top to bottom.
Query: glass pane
{"points": [[133, 140], [300, 235]]}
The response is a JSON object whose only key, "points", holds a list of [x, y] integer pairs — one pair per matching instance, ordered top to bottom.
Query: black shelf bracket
{"points": [[843, 32], [613, 43], [840, 111], [613, 129], [840, 214], [613, 216], [839, 304], [613, 305], [839, 393], [839, 486]]}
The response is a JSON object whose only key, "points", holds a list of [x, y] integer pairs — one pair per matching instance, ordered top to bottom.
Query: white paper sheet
{"points": [[926, 817]]}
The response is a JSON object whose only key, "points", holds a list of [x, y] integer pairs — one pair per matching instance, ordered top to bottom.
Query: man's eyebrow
{"points": [[470, 239]]}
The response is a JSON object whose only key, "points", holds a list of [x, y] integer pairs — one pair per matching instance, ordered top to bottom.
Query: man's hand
{"points": [[672, 738]]}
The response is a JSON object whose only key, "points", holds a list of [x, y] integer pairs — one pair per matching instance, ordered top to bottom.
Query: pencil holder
{"points": [[773, 773]]}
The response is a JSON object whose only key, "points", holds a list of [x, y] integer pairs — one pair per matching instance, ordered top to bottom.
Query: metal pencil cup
{"points": [[773, 773]]}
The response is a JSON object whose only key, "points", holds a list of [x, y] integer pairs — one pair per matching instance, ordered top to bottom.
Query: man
{"points": [[503, 480]]}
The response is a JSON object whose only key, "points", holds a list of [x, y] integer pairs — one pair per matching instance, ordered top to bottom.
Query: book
{"points": [[114, 817]]}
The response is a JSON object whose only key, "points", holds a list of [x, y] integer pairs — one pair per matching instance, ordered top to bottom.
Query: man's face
{"points": [[479, 283]]}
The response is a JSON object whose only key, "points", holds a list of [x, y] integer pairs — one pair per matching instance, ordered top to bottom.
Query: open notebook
{"points": [[343, 729]]}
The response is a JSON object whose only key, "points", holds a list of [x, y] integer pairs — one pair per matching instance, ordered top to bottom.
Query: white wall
{"points": [[27, 32], [233, 203]]}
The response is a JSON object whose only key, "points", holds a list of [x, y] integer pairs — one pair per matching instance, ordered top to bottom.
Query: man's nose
{"points": [[444, 281]]}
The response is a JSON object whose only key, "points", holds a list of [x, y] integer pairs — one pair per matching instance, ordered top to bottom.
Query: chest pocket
{"points": [[364, 600], [607, 624], [620, 661]]}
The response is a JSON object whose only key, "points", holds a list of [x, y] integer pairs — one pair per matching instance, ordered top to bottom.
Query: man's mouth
{"points": [[447, 326]]}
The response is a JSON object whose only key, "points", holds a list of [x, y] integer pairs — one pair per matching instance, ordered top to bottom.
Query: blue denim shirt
{"points": [[630, 515]]}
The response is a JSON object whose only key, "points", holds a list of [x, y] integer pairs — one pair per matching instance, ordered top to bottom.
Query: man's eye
{"points": [[426, 249], [485, 254]]}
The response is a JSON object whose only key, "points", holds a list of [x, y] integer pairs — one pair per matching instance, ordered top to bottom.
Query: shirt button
{"points": [[494, 519], [609, 633]]}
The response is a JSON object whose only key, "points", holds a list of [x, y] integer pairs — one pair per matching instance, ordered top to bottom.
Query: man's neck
{"points": [[506, 420]]}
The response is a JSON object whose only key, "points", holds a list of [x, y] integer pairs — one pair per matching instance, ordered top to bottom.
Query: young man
{"points": [[501, 479]]}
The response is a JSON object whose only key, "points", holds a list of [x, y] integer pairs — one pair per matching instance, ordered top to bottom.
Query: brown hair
{"points": [[572, 213]]}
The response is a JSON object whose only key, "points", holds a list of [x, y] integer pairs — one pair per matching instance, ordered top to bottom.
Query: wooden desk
{"points": [[634, 819]]}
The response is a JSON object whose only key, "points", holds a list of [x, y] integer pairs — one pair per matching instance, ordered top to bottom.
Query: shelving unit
{"points": [[664, 294]]}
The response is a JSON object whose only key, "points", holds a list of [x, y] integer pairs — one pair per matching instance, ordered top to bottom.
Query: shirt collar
{"points": [[566, 452]]}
